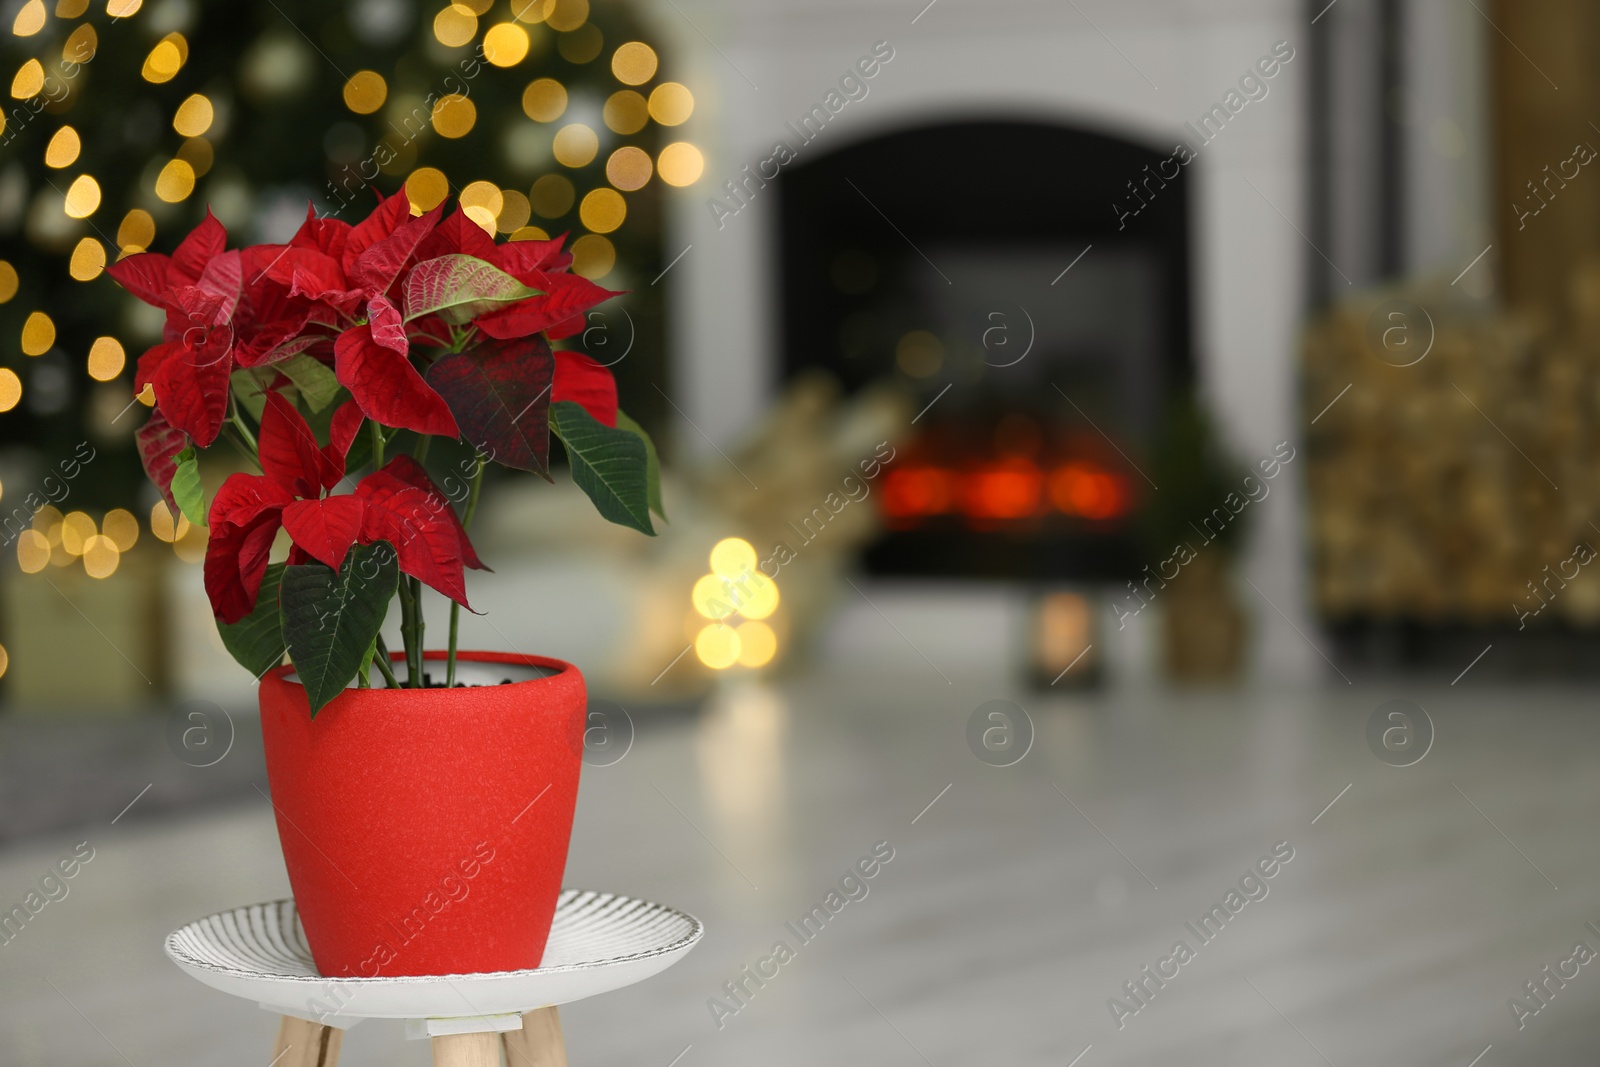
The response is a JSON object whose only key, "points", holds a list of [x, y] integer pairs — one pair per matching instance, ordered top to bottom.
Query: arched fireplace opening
{"points": [[1028, 283]]}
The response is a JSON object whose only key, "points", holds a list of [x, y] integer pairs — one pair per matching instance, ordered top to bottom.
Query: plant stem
{"points": [[244, 431], [232, 434], [377, 445], [420, 452], [455, 609], [408, 624], [419, 626], [382, 660]]}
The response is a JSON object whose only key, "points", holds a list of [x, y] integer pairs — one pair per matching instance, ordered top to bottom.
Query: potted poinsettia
{"points": [[424, 797]]}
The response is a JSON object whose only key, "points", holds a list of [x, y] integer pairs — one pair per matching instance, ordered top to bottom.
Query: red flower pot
{"points": [[426, 830]]}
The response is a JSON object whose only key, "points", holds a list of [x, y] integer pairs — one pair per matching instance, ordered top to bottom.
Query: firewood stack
{"points": [[1456, 489]]}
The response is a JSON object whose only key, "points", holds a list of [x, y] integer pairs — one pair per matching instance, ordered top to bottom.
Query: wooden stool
{"points": [[598, 942], [302, 1043]]}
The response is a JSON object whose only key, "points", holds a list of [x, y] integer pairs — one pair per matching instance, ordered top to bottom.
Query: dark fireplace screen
{"points": [[1028, 285]]}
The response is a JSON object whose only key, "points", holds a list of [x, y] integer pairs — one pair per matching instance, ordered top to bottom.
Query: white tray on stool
{"points": [[598, 942]]}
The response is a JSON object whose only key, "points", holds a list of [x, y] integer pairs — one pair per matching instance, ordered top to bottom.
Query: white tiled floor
{"points": [[1006, 919]]}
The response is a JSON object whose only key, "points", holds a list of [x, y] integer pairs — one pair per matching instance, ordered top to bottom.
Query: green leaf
{"points": [[459, 288], [312, 377], [250, 386], [652, 462], [611, 465], [186, 486], [331, 620], [256, 640], [364, 672]]}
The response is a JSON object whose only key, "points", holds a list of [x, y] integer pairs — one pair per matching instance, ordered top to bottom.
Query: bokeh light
{"points": [[567, 15], [30, 20], [455, 25], [582, 44], [505, 45], [634, 63], [29, 81], [364, 93], [544, 100], [671, 103], [625, 112], [195, 115], [454, 115], [575, 145], [63, 149], [680, 163], [629, 168], [175, 182], [426, 188], [552, 196], [83, 197], [603, 210], [514, 211], [137, 230], [593, 256], [88, 260], [38, 334], [106, 359], [10, 389], [164, 526], [121, 527], [76, 529], [33, 551], [101, 556], [731, 557], [757, 644], [717, 646]]}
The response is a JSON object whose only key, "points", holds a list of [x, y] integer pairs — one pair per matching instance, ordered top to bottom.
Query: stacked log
{"points": [[1456, 488]]}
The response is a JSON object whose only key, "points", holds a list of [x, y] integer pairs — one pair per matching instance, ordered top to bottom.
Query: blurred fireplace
{"points": [[1029, 284]]}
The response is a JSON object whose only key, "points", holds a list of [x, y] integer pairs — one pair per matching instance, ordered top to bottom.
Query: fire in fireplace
{"points": [[994, 270]]}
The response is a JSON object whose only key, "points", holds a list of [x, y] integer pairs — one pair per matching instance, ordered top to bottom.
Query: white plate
{"points": [[598, 942]]}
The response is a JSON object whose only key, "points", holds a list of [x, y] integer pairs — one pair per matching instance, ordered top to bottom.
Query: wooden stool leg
{"points": [[302, 1043], [538, 1043], [466, 1050]]}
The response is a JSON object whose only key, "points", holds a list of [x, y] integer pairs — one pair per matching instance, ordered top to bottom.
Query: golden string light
{"points": [[506, 44], [365, 92], [544, 100], [671, 104], [194, 116], [575, 145], [63, 149], [680, 163], [38, 334], [106, 359], [736, 588]]}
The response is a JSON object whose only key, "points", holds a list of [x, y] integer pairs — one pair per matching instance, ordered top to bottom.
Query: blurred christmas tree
{"points": [[126, 121]]}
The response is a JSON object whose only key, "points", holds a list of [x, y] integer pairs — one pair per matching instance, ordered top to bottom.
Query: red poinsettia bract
{"points": [[423, 320], [398, 504]]}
